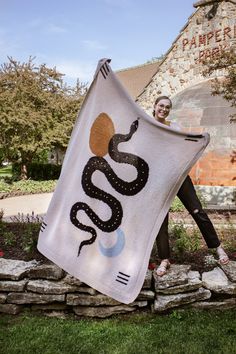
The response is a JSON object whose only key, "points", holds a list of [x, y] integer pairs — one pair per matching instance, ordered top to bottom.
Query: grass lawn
{"points": [[6, 171], [179, 332]]}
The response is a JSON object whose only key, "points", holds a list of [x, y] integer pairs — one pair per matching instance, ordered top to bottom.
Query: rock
{"points": [[14, 269], [230, 270], [46, 271], [193, 274], [177, 275], [69, 279], [148, 280], [217, 281], [193, 283], [8, 285], [50, 287], [87, 290], [146, 295], [3, 298], [31, 298], [90, 300], [98, 300], [165, 302], [139, 303], [215, 305], [50, 307], [10, 309], [103, 311]]}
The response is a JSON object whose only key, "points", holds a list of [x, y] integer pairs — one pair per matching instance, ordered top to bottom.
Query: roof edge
{"points": [[208, 2], [139, 66]]}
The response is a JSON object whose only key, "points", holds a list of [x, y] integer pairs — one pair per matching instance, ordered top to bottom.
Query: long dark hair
{"points": [[159, 98]]}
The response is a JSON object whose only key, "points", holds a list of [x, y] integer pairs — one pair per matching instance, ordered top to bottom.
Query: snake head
{"points": [[134, 126]]}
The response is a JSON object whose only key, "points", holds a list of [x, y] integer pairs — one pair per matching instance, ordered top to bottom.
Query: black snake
{"points": [[97, 163]]}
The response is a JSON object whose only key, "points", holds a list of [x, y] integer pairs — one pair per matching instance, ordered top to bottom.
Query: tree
{"points": [[226, 86], [37, 110]]}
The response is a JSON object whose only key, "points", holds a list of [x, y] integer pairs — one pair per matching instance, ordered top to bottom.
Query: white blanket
{"points": [[121, 171]]}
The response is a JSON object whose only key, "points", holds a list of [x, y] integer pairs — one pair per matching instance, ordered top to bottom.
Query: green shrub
{"points": [[2, 157], [6, 171], [16, 171], [38, 171], [4, 187], [27, 187], [32, 187], [176, 205], [9, 238], [196, 238], [28, 239], [185, 239], [181, 241]]}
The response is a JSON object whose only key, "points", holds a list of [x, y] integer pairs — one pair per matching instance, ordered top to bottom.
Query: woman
{"points": [[190, 200]]}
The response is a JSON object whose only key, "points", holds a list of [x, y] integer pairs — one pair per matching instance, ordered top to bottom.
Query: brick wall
{"points": [[215, 170]]}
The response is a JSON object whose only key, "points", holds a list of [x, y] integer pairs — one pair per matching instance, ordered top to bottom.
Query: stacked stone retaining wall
{"points": [[47, 288]]}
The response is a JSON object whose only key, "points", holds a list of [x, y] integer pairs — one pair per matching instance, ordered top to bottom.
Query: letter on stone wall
{"points": [[185, 42]]}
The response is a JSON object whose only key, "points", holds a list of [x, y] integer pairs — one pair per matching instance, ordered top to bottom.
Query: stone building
{"points": [[209, 30]]}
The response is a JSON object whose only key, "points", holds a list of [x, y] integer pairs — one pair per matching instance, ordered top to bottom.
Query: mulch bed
{"points": [[19, 241], [24, 243]]}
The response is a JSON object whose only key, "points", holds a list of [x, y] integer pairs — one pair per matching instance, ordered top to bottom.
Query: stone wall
{"points": [[222, 197], [47, 288]]}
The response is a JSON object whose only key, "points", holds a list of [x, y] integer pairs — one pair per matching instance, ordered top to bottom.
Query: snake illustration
{"points": [[97, 163]]}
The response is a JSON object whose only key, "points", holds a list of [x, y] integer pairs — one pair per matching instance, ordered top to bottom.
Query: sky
{"points": [[72, 35]]}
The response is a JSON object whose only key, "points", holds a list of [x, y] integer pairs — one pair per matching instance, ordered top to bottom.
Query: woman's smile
{"points": [[162, 109]]}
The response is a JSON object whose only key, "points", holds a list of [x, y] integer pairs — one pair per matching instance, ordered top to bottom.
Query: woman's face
{"points": [[162, 109]]}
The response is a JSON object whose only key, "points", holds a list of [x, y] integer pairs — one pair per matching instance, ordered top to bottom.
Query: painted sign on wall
{"points": [[209, 44]]}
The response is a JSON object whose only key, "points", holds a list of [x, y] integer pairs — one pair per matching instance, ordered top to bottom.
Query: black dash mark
{"points": [[107, 67], [105, 70], [104, 76], [200, 136], [191, 139], [43, 226], [122, 278]]}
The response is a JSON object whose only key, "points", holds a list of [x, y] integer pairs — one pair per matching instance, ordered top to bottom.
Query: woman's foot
{"points": [[223, 258], [162, 269]]}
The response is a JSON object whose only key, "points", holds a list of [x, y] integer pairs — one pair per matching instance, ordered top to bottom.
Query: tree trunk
{"points": [[23, 174]]}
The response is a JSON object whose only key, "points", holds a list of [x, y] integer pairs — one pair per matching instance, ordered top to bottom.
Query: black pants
{"points": [[190, 200]]}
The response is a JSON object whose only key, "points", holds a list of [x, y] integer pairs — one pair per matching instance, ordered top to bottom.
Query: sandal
{"points": [[223, 258], [162, 269]]}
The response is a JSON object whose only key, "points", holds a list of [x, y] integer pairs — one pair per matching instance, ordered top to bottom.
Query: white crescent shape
{"points": [[117, 248]]}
